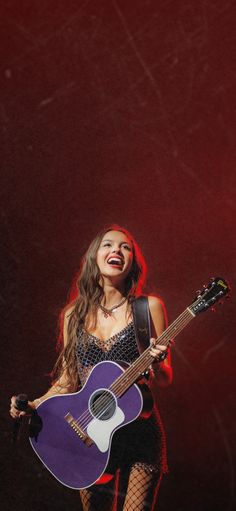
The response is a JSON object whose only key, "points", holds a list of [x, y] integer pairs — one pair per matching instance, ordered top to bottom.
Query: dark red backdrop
{"points": [[116, 111]]}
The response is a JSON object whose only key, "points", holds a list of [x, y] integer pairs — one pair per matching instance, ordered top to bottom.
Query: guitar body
{"points": [[79, 462]]}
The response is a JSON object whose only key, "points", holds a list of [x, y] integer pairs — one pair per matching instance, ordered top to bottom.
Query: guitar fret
{"points": [[145, 360]]}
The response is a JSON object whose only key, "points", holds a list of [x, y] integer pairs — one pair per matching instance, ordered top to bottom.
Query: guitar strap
{"points": [[141, 315]]}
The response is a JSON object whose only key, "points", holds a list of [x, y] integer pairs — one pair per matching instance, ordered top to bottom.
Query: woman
{"points": [[97, 326]]}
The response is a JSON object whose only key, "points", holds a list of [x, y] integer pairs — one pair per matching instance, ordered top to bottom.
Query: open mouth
{"points": [[115, 261]]}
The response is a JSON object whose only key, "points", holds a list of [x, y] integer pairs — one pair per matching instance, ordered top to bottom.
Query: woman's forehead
{"points": [[116, 236]]}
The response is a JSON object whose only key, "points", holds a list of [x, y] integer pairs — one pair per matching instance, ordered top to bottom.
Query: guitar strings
{"points": [[136, 367], [103, 401]]}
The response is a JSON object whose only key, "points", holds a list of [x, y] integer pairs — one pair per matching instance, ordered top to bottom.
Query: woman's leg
{"points": [[142, 489], [99, 497]]}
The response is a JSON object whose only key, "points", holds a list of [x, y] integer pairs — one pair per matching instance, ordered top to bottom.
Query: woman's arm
{"points": [[162, 370]]}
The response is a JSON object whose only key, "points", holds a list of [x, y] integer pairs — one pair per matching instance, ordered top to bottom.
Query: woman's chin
{"points": [[114, 276]]}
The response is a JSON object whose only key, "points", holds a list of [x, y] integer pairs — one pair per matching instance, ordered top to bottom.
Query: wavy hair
{"points": [[85, 300]]}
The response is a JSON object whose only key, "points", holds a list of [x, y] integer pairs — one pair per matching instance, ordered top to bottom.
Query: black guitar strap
{"points": [[141, 315]]}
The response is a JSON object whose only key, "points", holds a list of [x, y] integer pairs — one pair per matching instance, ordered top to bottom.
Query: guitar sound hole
{"points": [[102, 404]]}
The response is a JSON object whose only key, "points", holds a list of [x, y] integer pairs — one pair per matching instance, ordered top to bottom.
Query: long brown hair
{"points": [[89, 293]]}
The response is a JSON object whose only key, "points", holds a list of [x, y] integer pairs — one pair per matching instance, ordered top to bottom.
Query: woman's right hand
{"points": [[16, 413]]}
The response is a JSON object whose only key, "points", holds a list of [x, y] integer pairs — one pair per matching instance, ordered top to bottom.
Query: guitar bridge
{"points": [[73, 424]]}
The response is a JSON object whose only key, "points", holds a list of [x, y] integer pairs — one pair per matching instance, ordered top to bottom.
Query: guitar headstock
{"points": [[215, 291]]}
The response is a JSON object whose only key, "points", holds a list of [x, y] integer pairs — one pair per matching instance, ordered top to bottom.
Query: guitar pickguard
{"points": [[100, 430]]}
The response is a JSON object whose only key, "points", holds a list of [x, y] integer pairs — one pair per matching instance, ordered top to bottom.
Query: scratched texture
{"points": [[120, 111]]}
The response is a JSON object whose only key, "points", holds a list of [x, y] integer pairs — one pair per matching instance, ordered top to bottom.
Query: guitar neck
{"points": [[143, 362]]}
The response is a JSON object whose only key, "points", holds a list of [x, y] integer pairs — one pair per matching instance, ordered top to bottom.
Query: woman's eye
{"points": [[106, 244], [127, 247]]}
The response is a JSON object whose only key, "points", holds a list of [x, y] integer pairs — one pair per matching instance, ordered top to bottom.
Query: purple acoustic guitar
{"points": [[76, 431]]}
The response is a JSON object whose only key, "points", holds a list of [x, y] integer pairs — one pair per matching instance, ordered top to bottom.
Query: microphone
{"points": [[21, 404]]}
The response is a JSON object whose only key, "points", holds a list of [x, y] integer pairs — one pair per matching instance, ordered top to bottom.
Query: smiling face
{"points": [[115, 255]]}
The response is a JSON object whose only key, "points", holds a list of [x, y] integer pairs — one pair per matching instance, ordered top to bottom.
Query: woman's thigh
{"points": [[142, 489], [133, 490], [99, 497]]}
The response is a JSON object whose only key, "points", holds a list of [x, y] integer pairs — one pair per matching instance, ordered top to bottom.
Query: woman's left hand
{"points": [[158, 352]]}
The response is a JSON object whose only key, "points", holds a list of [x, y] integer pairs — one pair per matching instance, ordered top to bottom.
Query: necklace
{"points": [[108, 312]]}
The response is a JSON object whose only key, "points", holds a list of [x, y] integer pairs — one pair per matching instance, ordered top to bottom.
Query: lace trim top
{"points": [[91, 350]]}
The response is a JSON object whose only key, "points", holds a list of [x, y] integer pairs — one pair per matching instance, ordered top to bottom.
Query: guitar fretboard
{"points": [[145, 360]]}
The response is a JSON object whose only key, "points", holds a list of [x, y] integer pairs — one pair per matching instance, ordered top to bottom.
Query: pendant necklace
{"points": [[108, 312]]}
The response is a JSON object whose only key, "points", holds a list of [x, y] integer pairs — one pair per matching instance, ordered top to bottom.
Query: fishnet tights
{"points": [[135, 491]]}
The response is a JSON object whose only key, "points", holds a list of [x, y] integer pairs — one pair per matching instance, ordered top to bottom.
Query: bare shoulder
{"points": [[155, 303], [156, 306], [158, 314]]}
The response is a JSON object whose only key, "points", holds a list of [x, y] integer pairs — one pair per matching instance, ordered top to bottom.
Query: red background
{"points": [[121, 111]]}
